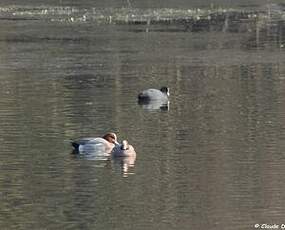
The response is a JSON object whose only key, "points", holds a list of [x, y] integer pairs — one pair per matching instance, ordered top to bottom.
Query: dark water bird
{"points": [[154, 95], [154, 99]]}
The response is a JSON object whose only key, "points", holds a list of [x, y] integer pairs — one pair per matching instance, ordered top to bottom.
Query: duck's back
{"points": [[152, 94], [97, 144]]}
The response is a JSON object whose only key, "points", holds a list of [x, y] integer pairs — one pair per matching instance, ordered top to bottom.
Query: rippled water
{"points": [[214, 160]]}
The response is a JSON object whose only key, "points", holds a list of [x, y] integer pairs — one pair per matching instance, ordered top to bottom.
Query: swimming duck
{"points": [[150, 95], [103, 144], [123, 150]]}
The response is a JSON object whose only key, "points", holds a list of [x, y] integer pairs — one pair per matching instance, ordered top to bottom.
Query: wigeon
{"points": [[103, 144]]}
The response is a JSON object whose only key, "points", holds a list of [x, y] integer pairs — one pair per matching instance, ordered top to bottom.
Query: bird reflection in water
{"points": [[154, 105], [119, 164], [125, 165]]}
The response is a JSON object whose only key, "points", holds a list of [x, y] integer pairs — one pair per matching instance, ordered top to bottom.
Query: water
{"points": [[214, 160]]}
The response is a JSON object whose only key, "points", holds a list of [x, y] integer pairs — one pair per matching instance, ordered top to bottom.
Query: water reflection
{"points": [[154, 105], [90, 155], [124, 165]]}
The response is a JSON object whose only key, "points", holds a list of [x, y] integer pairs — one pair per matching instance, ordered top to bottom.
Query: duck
{"points": [[150, 95], [154, 99], [103, 144], [123, 150]]}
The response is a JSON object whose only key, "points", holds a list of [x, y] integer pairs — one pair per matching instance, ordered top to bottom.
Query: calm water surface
{"points": [[214, 160]]}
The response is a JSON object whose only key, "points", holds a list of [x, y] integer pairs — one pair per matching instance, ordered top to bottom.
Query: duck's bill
{"points": [[117, 143]]}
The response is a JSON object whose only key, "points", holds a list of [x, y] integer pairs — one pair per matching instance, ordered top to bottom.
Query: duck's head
{"points": [[165, 90], [111, 137], [125, 145]]}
